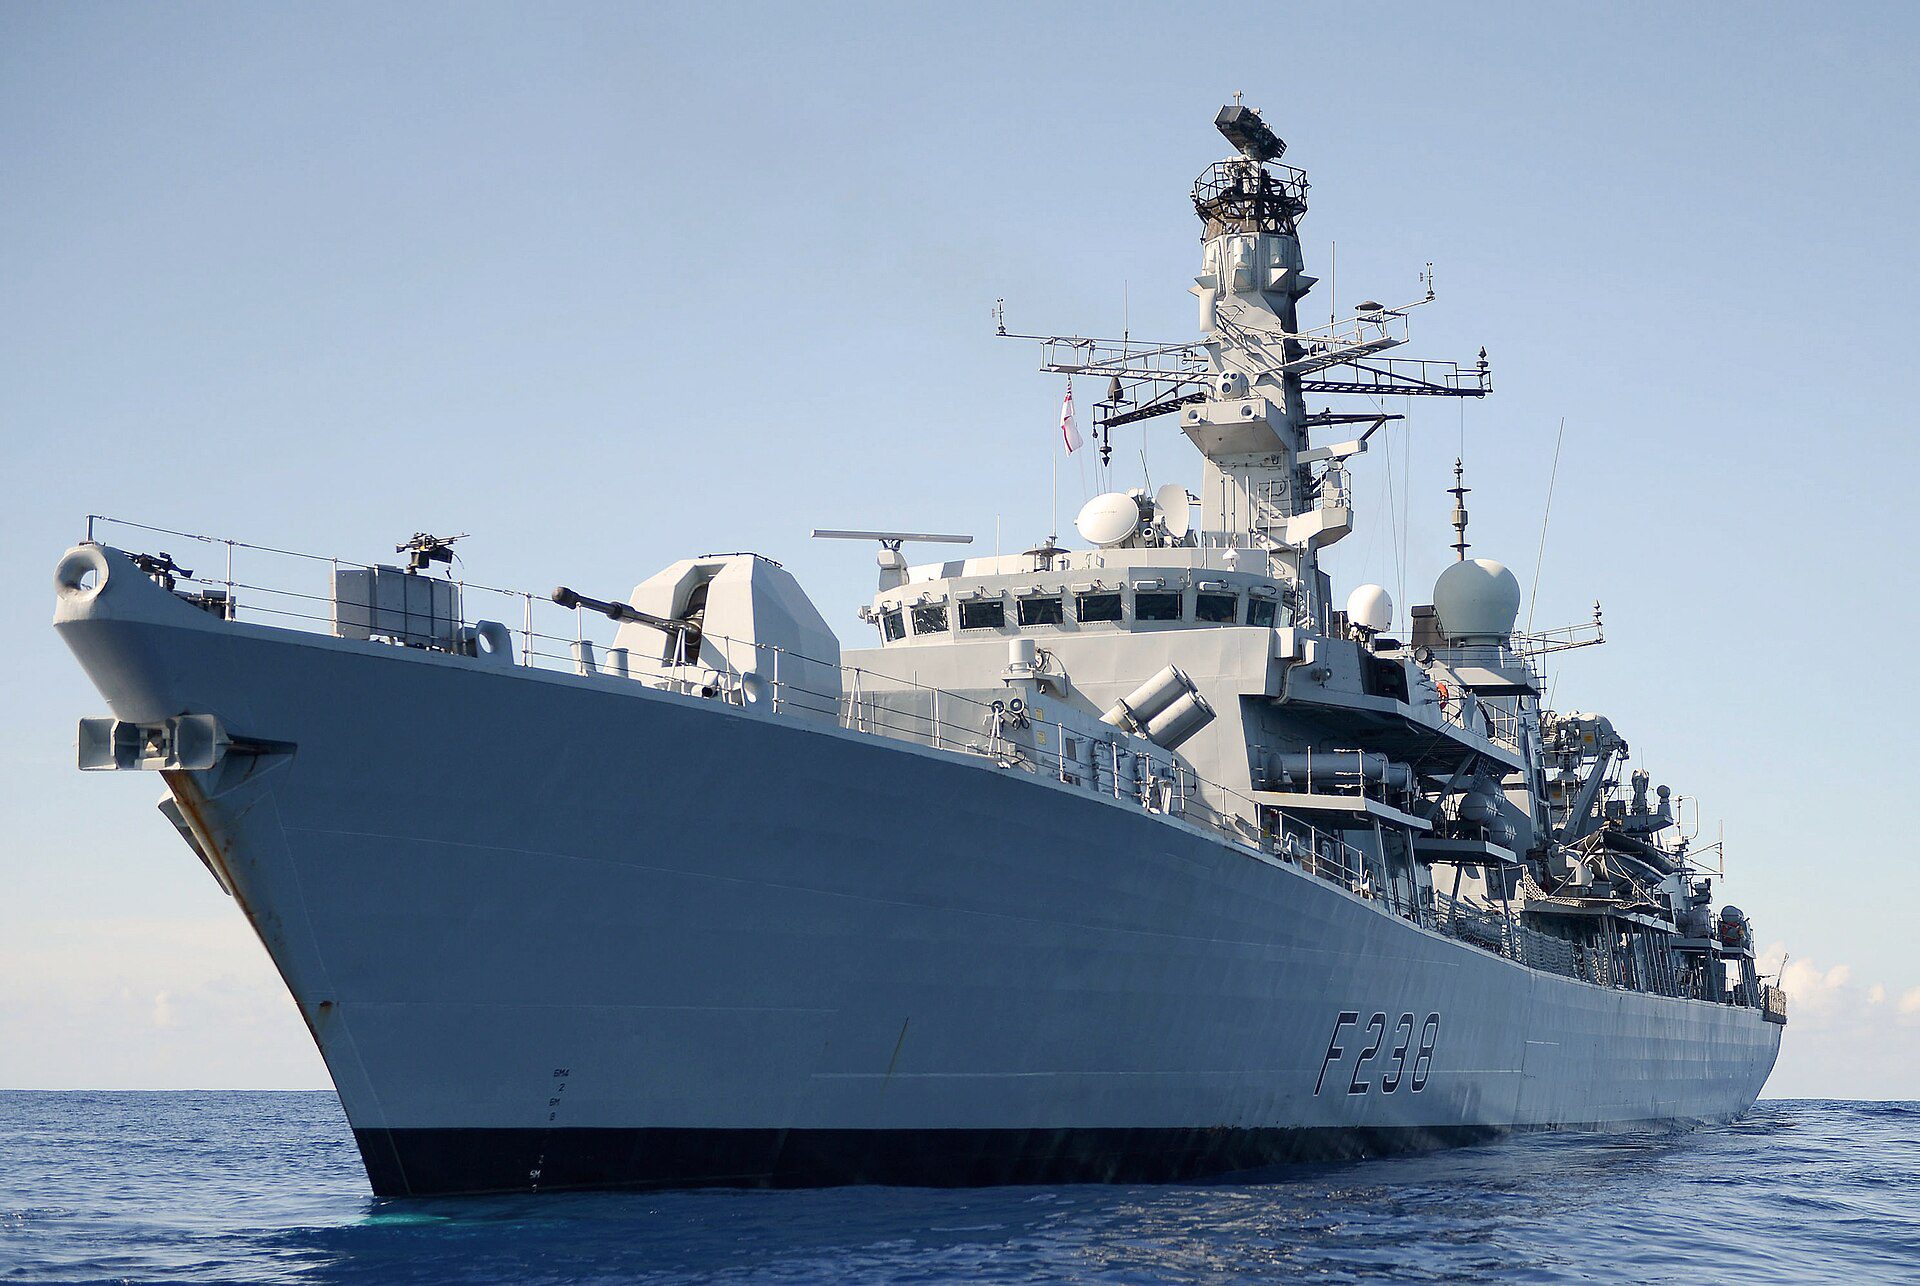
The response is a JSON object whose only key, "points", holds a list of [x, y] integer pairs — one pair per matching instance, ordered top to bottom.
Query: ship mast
{"points": [[1241, 389]]}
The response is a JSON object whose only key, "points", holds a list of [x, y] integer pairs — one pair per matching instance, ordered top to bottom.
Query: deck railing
{"points": [[250, 581], [240, 582], [1127, 769], [1502, 934]]}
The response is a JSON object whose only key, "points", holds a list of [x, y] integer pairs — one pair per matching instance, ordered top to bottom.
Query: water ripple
{"points": [[235, 1187]]}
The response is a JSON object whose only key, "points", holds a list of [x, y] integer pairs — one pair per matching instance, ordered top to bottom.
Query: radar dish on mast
{"points": [[1252, 137], [1174, 508]]}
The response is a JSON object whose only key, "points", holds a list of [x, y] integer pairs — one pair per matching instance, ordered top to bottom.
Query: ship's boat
{"points": [[1142, 860]]}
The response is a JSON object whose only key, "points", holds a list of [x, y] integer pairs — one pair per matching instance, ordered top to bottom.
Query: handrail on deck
{"points": [[1134, 773]]}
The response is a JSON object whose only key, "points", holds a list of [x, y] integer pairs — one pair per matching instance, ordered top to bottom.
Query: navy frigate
{"points": [[1140, 860]]}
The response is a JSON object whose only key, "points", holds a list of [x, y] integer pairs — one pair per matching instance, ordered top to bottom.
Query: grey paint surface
{"points": [[471, 876], [740, 888]]}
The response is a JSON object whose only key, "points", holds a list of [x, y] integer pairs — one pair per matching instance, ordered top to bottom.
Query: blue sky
{"points": [[606, 286]]}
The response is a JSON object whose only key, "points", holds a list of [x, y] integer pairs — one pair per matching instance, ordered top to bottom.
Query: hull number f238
{"points": [[1387, 1053]]}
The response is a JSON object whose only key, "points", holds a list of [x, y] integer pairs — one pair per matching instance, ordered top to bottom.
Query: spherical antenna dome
{"points": [[1108, 520], [1477, 601], [1371, 608]]}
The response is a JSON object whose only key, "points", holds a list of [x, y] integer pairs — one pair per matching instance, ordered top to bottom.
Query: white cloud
{"points": [[1772, 958], [1811, 989], [148, 1002], [1830, 1020]]}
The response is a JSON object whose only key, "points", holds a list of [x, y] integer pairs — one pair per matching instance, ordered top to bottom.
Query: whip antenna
{"points": [[1546, 513]]}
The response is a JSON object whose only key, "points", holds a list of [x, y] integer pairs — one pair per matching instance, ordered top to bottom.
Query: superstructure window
{"points": [[1102, 605], [1156, 605], [1216, 608], [1042, 609], [1260, 612], [983, 614], [930, 618], [892, 626]]}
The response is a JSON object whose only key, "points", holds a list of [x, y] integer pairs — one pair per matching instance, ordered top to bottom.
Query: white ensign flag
{"points": [[1067, 429]]}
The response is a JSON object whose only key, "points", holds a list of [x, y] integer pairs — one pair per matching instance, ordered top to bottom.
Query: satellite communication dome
{"points": [[1174, 509], [1109, 519], [1477, 600], [1371, 608]]}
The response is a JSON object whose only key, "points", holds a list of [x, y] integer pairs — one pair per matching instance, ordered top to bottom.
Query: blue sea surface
{"points": [[266, 1187]]}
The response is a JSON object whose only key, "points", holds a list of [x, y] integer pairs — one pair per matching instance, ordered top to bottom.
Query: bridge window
{"points": [[1103, 605], [1156, 605], [1216, 608], [1042, 609], [1260, 612], [983, 614], [930, 618], [891, 626]]}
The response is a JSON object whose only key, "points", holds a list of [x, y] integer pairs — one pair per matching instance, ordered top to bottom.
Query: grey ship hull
{"points": [[553, 931]]}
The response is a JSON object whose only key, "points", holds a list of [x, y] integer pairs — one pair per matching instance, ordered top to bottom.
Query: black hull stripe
{"points": [[417, 1163]]}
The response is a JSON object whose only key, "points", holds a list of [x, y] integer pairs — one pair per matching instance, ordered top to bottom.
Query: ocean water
{"points": [[259, 1187]]}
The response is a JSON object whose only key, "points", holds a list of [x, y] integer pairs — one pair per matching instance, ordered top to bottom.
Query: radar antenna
{"points": [[1252, 137], [1252, 194], [1241, 389], [891, 539], [893, 564]]}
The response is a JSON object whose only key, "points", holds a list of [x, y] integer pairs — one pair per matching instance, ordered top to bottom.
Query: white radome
{"points": [[1174, 508], [1108, 519], [1477, 601], [1371, 608]]}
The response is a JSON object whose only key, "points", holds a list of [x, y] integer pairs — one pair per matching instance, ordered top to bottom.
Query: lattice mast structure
{"points": [[1242, 389]]}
